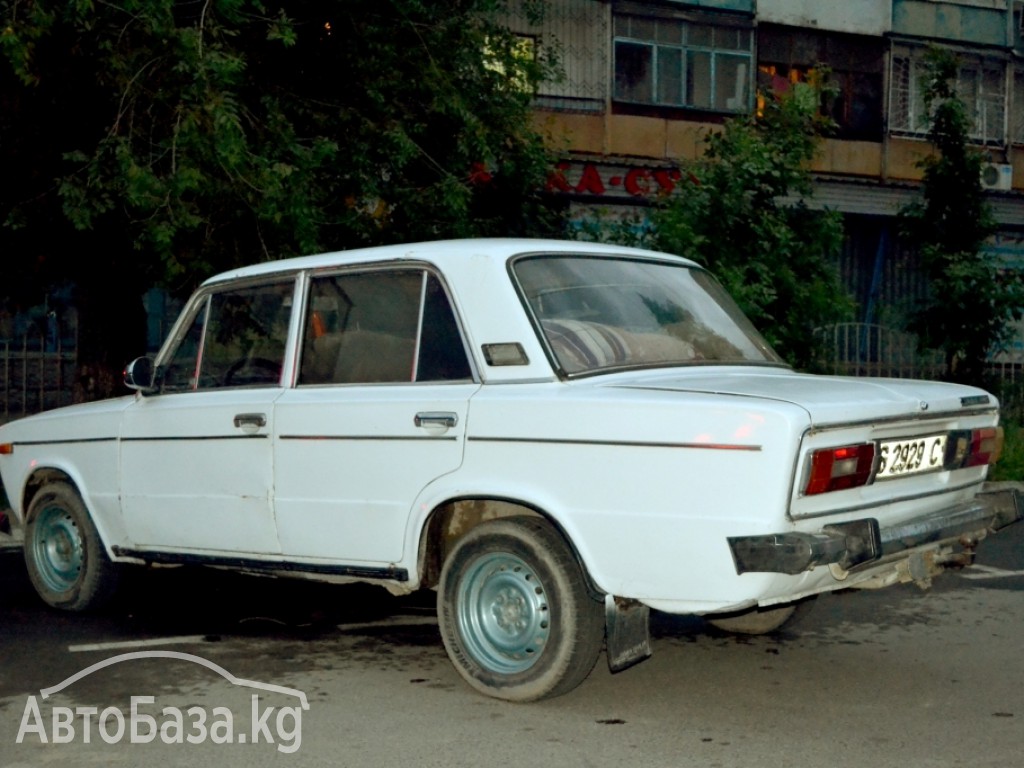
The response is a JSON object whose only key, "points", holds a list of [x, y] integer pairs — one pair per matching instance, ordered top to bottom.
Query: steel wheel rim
{"points": [[57, 549], [502, 613]]}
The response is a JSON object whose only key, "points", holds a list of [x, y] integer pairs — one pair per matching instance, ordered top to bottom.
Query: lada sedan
{"points": [[556, 437]]}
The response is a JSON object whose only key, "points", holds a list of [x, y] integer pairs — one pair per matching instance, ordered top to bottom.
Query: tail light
{"points": [[975, 448], [834, 469]]}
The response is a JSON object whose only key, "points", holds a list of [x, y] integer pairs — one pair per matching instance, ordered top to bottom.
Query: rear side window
{"points": [[386, 326]]}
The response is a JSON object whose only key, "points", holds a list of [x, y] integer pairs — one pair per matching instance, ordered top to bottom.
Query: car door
{"points": [[378, 411], [196, 455]]}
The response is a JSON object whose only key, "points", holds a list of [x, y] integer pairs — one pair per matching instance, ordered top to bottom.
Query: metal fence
{"points": [[864, 349], [37, 373]]}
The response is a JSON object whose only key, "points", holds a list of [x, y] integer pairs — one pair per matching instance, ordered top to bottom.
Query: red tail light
{"points": [[986, 446], [834, 469]]}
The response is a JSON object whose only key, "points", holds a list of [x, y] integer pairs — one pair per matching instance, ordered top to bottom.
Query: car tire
{"points": [[66, 560], [515, 613], [761, 621]]}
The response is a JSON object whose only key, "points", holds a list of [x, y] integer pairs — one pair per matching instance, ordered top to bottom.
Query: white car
{"points": [[556, 436]]}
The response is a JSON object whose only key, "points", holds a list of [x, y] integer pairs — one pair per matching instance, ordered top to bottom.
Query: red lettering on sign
{"points": [[556, 179], [599, 180], [667, 180], [590, 181], [638, 181]]}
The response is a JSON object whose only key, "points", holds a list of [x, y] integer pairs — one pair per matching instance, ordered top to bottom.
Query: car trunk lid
{"points": [[828, 400]]}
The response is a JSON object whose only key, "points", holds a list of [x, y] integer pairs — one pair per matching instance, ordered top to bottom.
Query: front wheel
{"points": [[66, 561], [515, 614]]}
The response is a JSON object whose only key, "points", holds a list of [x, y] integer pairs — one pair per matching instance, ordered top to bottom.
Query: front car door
{"points": [[378, 411], [196, 456]]}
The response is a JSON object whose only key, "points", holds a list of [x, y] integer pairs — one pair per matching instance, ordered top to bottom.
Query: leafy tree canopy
{"points": [[160, 141], [971, 300]]}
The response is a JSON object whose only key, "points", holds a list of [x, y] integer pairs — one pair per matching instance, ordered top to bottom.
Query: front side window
{"points": [[677, 63], [604, 313], [384, 326], [234, 338]]}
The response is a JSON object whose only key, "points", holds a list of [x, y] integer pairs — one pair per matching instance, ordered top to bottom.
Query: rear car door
{"points": [[378, 411]]}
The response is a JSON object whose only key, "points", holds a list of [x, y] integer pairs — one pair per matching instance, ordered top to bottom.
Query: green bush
{"points": [[1011, 464]]}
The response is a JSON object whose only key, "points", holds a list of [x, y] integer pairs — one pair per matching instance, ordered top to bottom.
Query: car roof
{"points": [[443, 253]]}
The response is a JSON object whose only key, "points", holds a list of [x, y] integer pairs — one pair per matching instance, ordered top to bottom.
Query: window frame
{"points": [[686, 50], [911, 122], [427, 272], [201, 303]]}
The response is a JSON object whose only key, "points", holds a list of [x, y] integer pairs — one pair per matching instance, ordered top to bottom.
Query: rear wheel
{"points": [[66, 561], [515, 614], [761, 621]]}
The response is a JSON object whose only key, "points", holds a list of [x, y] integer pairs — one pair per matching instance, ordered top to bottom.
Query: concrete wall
{"points": [[743, 6], [864, 17], [982, 22], [659, 140]]}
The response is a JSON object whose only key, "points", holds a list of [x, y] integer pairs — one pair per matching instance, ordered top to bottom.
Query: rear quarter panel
{"points": [[647, 485]]}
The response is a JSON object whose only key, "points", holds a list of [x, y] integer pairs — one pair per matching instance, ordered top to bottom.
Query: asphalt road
{"points": [[899, 677]]}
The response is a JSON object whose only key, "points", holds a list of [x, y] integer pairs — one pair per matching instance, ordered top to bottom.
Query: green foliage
{"points": [[224, 132], [162, 140], [740, 211], [971, 301], [1010, 466]]}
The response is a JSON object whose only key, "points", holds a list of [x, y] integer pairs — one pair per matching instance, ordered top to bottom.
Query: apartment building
{"points": [[644, 81]]}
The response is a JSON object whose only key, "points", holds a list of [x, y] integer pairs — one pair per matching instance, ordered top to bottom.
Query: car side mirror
{"points": [[138, 375]]}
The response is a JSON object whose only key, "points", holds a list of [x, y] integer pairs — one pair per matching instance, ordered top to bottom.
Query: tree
{"points": [[160, 141], [741, 210], [970, 300]]}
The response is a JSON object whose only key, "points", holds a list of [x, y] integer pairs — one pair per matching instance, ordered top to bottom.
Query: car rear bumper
{"points": [[862, 542]]}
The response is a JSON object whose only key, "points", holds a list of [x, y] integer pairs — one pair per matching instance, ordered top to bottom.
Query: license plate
{"points": [[899, 458]]}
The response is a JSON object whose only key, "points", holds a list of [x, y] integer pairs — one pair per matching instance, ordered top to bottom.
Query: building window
{"points": [[575, 33], [523, 53], [678, 63], [854, 66], [981, 84], [855, 99], [1017, 135]]}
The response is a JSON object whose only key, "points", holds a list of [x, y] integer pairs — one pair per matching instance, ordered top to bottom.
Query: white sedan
{"points": [[555, 436]]}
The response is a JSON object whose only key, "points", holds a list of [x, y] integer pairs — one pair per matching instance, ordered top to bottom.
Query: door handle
{"points": [[443, 419], [257, 420]]}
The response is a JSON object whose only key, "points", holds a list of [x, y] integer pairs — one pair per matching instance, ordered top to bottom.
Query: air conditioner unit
{"points": [[997, 176]]}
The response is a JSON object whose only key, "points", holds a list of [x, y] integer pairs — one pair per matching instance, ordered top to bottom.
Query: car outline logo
{"points": [[242, 682]]}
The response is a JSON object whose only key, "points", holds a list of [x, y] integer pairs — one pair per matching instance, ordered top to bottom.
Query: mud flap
{"points": [[627, 632]]}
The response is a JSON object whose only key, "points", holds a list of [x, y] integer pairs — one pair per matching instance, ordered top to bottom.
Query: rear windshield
{"points": [[600, 313]]}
